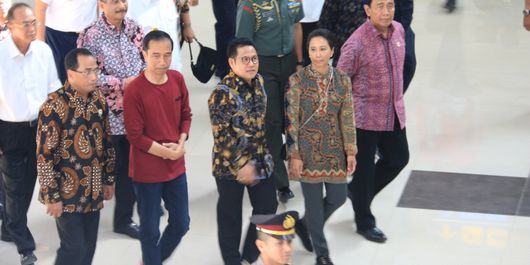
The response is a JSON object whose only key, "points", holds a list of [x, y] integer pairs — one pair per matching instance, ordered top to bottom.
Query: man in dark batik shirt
{"points": [[240, 154], [75, 160]]}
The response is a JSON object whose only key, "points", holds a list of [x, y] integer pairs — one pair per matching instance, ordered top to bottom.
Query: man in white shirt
{"points": [[164, 15], [60, 24], [27, 75]]}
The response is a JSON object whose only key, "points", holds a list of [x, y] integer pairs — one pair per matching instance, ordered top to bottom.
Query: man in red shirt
{"points": [[157, 119]]}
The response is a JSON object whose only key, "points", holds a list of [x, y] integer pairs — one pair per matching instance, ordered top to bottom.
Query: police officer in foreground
{"points": [[275, 237]]}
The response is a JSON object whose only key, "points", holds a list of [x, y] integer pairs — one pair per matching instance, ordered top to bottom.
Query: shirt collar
{"points": [[112, 27], [375, 33], [13, 49], [317, 75], [233, 80], [74, 96]]}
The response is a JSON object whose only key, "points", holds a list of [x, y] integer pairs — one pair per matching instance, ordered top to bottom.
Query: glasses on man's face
{"points": [[28, 24], [246, 60], [88, 72]]}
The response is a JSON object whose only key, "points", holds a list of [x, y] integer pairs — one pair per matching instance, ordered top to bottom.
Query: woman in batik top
{"points": [[320, 137]]}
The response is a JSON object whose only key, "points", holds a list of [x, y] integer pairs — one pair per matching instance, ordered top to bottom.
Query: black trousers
{"points": [[225, 30], [61, 43], [276, 72], [19, 170], [371, 177], [125, 197], [229, 217], [78, 233]]}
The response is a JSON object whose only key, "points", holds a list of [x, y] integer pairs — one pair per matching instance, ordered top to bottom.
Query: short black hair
{"points": [[367, 2], [11, 12], [324, 33], [156, 35], [233, 45], [70, 60]]}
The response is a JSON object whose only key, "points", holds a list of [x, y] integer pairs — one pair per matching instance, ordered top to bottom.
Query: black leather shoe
{"points": [[285, 194], [132, 230], [302, 233], [373, 234], [28, 258], [324, 260]]}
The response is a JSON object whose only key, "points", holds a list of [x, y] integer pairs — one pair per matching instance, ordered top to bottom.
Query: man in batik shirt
{"points": [[116, 41], [373, 57], [240, 154], [75, 159]]}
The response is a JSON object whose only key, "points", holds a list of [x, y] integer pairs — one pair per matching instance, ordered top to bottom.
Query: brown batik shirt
{"points": [[74, 153]]}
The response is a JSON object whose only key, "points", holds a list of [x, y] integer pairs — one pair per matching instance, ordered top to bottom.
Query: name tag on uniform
{"points": [[293, 4]]}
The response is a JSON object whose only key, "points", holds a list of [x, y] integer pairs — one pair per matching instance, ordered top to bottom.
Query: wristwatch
{"points": [[526, 12]]}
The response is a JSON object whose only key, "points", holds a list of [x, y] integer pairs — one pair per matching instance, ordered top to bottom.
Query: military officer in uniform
{"points": [[274, 26], [275, 237]]}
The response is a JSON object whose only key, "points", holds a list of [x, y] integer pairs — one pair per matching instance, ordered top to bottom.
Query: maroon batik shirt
{"points": [[375, 66]]}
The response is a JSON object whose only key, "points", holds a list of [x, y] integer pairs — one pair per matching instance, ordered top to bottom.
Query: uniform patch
{"points": [[248, 9]]}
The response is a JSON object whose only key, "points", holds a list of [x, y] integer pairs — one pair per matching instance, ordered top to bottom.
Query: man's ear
{"points": [[367, 10], [232, 62], [260, 244]]}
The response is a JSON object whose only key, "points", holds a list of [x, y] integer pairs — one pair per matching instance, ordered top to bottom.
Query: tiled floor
{"points": [[468, 112]]}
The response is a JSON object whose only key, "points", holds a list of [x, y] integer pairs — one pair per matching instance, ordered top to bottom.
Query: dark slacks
{"points": [[225, 30], [61, 43], [409, 68], [276, 72], [19, 170], [371, 177], [125, 197], [319, 208], [229, 217], [78, 233], [156, 249]]}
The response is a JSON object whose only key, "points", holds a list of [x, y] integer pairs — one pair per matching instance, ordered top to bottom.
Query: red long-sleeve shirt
{"points": [[155, 113]]}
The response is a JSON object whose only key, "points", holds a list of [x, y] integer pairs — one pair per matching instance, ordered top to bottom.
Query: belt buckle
{"points": [[280, 55]]}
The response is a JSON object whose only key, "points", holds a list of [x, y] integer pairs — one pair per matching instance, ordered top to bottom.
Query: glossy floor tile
{"points": [[468, 112]]}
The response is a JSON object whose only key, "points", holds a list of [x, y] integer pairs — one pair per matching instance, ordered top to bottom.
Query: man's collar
{"points": [[111, 26], [375, 32], [13, 49], [239, 81], [74, 95]]}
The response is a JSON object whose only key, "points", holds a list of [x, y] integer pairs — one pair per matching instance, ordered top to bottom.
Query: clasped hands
{"points": [[175, 150]]}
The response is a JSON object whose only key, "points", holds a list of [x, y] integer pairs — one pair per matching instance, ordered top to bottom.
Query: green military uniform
{"points": [[269, 24]]}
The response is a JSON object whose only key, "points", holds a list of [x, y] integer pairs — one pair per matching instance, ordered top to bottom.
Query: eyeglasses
{"points": [[28, 24], [246, 60], [88, 72]]}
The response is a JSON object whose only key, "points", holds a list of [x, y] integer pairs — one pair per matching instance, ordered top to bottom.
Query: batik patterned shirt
{"points": [[119, 56], [375, 65], [237, 115], [320, 124], [74, 153]]}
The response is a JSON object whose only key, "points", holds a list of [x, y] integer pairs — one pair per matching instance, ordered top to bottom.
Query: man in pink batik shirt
{"points": [[373, 57]]}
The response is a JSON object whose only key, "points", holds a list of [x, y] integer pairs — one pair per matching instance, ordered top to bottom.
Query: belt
{"points": [[32, 123]]}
